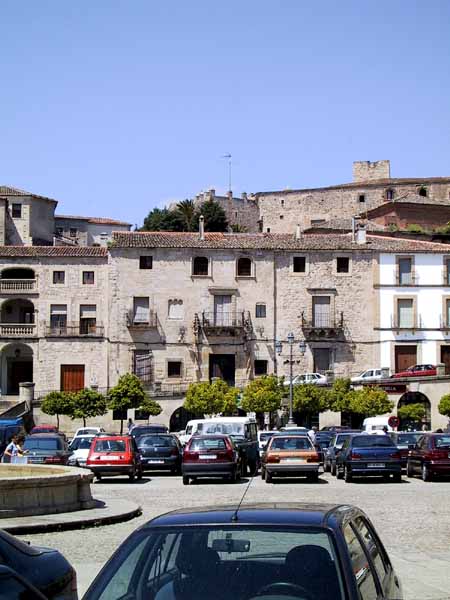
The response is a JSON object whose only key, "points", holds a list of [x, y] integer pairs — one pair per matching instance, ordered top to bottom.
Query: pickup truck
{"points": [[366, 455]]}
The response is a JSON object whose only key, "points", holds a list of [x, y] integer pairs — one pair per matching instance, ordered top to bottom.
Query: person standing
{"points": [[130, 425], [312, 434], [11, 450]]}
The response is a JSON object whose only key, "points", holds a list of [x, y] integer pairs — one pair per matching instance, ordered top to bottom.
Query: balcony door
{"points": [[223, 310], [322, 311], [405, 356], [322, 360], [223, 367], [72, 378]]}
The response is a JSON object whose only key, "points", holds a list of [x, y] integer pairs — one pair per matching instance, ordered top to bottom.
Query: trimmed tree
{"points": [[128, 393], [263, 394], [339, 396], [211, 398], [309, 398], [370, 402], [56, 404], [87, 404], [444, 405], [151, 407], [412, 412]]}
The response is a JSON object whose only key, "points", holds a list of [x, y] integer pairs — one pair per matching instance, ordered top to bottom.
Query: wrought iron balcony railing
{"points": [[216, 320], [142, 321], [323, 322], [74, 330]]}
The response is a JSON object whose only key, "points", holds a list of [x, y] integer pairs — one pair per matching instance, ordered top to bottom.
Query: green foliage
{"points": [[185, 212], [214, 215], [162, 219], [392, 227], [237, 228], [414, 228], [128, 393], [263, 394], [340, 395], [211, 398], [310, 398], [370, 402], [57, 403], [88, 403], [444, 405], [151, 407], [412, 412]]}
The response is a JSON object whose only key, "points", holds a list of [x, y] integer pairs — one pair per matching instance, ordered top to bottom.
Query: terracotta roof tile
{"points": [[6, 190], [94, 220], [270, 241], [57, 251]]}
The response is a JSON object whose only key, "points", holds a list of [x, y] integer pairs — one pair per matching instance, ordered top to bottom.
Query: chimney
{"points": [[211, 194], [244, 196], [201, 228], [298, 233], [361, 235]]}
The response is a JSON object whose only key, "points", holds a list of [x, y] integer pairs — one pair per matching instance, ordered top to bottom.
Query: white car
{"points": [[368, 376], [311, 378], [83, 431], [80, 447]]}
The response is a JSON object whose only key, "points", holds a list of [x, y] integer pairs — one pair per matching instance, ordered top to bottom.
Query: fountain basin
{"points": [[27, 490]]}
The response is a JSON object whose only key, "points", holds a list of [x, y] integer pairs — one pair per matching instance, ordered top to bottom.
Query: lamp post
{"points": [[279, 348]]}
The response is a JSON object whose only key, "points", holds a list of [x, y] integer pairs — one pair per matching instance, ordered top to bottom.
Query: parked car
{"points": [[417, 371], [368, 376], [312, 378], [374, 424], [336, 428], [44, 429], [139, 430], [299, 430], [84, 431], [263, 438], [322, 440], [405, 441], [334, 447], [48, 448], [79, 448], [160, 452], [114, 455], [290, 455], [367, 455], [211, 456], [430, 457], [303, 551], [45, 568], [15, 587]]}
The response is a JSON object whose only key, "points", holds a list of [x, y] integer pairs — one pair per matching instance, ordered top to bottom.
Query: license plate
{"points": [[207, 456], [109, 458], [37, 460], [293, 460], [155, 462], [375, 465]]}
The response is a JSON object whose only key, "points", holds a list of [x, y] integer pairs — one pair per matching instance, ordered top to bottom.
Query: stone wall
{"points": [[364, 170]]}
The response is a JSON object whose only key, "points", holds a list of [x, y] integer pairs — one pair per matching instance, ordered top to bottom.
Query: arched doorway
{"points": [[16, 367], [415, 398], [180, 417]]}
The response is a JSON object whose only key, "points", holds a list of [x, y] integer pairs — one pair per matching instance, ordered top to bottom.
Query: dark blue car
{"points": [[366, 455], [259, 552]]}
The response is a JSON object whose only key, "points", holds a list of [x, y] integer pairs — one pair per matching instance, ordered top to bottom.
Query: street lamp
{"points": [[290, 339]]}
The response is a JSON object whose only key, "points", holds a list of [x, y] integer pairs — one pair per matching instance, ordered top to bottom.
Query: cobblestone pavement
{"points": [[412, 518]]}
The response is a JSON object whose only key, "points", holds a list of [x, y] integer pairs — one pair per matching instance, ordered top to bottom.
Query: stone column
{"points": [[26, 393]]}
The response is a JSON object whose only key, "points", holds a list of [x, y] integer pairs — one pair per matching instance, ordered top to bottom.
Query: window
{"points": [[423, 191], [389, 194], [361, 198], [282, 202], [16, 211], [281, 216], [268, 230], [60, 231], [73, 232], [146, 262], [299, 264], [342, 264], [201, 266], [244, 267], [405, 271], [447, 271], [59, 277], [88, 278], [175, 309], [141, 310], [260, 311], [321, 312], [405, 312], [447, 312], [58, 317], [88, 319], [142, 365], [260, 367], [174, 368], [372, 547], [363, 574]]}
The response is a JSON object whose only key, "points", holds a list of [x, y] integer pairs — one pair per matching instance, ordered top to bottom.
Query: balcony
{"points": [[18, 286], [139, 321], [227, 323], [323, 326], [17, 330], [74, 331]]}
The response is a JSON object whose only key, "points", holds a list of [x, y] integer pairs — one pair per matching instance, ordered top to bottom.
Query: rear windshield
{"points": [[225, 428], [86, 431], [138, 431], [265, 436], [408, 438], [340, 439], [165, 441], [372, 441], [442, 441], [81, 443], [208, 443], [294, 443], [43, 444], [110, 446]]}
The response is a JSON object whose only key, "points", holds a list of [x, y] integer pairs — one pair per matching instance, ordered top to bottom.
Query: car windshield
{"points": [[227, 428], [86, 431], [265, 436], [340, 439], [165, 441], [372, 441], [442, 441], [81, 443], [207, 443], [293, 443], [43, 444], [110, 446], [230, 563]]}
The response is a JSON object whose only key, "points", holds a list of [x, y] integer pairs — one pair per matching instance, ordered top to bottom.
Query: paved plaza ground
{"points": [[412, 519]]}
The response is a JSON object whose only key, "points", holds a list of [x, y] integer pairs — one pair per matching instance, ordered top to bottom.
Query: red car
{"points": [[417, 371], [44, 429], [114, 455], [211, 456], [430, 456]]}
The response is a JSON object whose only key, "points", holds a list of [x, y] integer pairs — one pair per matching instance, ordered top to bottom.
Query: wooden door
{"points": [[405, 356], [445, 358], [72, 378]]}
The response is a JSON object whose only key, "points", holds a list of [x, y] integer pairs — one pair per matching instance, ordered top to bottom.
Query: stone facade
{"points": [[242, 211]]}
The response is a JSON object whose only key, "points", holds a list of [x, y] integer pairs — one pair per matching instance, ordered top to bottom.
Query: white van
{"points": [[376, 424]]}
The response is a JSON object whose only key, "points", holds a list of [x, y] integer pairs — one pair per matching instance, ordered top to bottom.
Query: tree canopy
{"points": [[214, 215], [185, 217], [162, 219], [128, 393], [263, 394], [340, 395], [211, 398], [310, 398], [370, 402], [57, 403], [87, 404], [444, 405], [150, 406], [412, 412]]}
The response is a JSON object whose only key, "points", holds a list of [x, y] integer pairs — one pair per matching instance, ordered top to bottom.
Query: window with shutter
{"points": [[405, 308], [141, 310]]}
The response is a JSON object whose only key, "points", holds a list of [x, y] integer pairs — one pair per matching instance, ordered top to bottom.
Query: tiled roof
{"points": [[362, 184], [6, 190], [409, 200], [93, 220], [344, 224], [270, 241], [57, 251]]}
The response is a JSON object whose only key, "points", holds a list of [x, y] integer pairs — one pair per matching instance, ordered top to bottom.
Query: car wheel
{"points": [[326, 466], [333, 469], [409, 469], [338, 472], [140, 473], [263, 473], [347, 475], [426, 475], [98, 476], [131, 476], [268, 477], [313, 477], [397, 477], [185, 480]]}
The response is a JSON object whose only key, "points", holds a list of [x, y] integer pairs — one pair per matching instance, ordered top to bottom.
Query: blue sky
{"points": [[116, 106]]}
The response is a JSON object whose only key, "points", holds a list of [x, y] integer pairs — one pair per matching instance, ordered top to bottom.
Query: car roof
{"points": [[150, 426], [209, 435], [57, 436], [111, 437], [280, 513]]}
